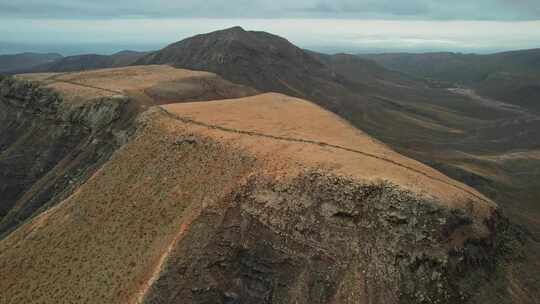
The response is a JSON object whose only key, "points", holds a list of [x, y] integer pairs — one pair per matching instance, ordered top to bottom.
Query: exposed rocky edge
{"points": [[48, 147], [326, 239]]}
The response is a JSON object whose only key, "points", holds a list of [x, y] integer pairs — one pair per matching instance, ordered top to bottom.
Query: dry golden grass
{"points": [[150, 85], [286, 117], [103, 244]]}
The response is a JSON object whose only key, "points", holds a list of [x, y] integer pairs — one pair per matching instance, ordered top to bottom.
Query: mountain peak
{"points": [[234, 29], [232, 33], [252, 58]]}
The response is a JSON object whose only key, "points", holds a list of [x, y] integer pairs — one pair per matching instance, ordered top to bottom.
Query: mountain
{"points": [[257, 59], [23, 61], [86, 62], [513, 77], [258, 199]]}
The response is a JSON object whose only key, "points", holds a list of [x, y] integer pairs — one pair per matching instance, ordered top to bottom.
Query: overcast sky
{"points": [[326, 25]]}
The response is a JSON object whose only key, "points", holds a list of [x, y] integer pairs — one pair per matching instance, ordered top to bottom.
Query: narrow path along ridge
{"points": [[298, 140], [318, 143]]}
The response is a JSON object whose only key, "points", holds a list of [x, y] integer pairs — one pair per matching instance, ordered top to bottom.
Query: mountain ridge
{"points": [[248, 57], [12, 63]]}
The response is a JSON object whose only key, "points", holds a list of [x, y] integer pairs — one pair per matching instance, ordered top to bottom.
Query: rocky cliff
{"points": [[48, 147]]}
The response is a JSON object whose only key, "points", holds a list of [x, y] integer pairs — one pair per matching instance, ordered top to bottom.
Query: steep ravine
{"points": [[49, 147]]}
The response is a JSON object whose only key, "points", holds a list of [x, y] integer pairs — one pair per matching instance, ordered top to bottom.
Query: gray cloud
{"points": [[509, 10]]}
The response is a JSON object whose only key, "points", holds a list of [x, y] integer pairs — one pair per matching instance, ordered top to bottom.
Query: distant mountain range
{"points": [[26, 61], [91, 62], [36, 63]]}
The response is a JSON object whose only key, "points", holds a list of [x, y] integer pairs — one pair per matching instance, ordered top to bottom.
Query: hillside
{"points": [[24, 61], [84, 62], [364, 71], [513, 77], [56, 134], [261, 199]]}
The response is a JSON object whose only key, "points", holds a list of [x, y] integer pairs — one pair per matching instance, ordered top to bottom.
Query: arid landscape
{"points": [[236, 167]]}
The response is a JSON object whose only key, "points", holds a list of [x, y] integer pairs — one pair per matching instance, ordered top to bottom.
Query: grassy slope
{"points": [[513, 77], [102, 244]]}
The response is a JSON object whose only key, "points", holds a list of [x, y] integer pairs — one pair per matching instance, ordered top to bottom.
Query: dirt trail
{"points": [[102, 78], [156, 84], [323, 144]]}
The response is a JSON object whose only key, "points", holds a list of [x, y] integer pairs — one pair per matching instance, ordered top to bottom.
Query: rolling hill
{"points": [[89, 62], [344, 84], [437, 126]]}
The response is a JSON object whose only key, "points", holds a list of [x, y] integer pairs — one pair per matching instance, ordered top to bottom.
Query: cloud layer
{"points": [[507, 10], [324, 25], [327, 35]]}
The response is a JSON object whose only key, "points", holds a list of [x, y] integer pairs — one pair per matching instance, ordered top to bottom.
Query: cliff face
{"points": [[48, 147], [323, 239]]}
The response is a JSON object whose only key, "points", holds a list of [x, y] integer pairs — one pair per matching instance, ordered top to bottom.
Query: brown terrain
{"points": [[151, 85], [250, 198]]}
